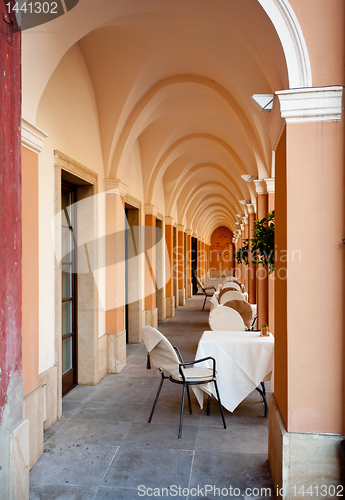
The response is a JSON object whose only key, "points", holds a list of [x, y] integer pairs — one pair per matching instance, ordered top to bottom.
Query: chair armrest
{"points": [[209, 288], [199, 361]]}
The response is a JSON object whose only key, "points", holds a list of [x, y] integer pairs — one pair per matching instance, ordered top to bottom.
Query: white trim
{"points": [[292, 40], [264, 102], [311, 104], [276, 124], [32, 137], [270, 183], [116, 185], [260, 186], [150, 210], [169, 221], [180, 228], [189, 232]]}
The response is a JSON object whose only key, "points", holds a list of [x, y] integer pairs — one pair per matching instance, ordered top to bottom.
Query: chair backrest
{"points": [[232, 279], [200, 284], [233, 285], [225, 295], [243, 308], [225, 319], [162, 353]]}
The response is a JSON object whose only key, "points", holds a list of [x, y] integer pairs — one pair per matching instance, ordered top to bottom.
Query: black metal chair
{"points": [[204, 289], [167, 359]]}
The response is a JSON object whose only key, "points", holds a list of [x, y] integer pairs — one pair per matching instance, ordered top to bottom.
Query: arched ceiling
{"points": [[177, 78]]}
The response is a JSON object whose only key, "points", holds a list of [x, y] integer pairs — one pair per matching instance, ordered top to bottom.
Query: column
{"points": [[270, 183], [246, 233], [180, 265], [251, 266], [169, 267], [261, 271], [115, 276], [189, 290], [151, 312], [307, 407]]}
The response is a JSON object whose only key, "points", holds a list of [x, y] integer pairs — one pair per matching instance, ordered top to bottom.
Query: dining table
{"points": [[243, 361]]}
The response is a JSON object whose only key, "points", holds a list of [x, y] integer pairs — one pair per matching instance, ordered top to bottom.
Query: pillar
{"points": [[270, 183], [180, 265], [169, 266], [251, 266], [246, 269], [262, 271], [115, 277], [189, 291], [151, 312], [306, 410]]}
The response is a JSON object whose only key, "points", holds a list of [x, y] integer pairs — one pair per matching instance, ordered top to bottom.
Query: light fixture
{"points": [[248, 177], [245, 202], [240, 215], [237, 223]]}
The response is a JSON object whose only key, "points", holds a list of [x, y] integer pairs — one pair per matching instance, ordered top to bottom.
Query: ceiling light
{"points": [[248, 177], [245, 202], [240, 216]]}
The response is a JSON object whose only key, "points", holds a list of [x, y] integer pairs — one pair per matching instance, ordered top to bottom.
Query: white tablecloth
{"points": [[243, 360]]}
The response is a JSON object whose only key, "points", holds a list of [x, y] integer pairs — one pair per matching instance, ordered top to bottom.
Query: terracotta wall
{"points": [[221, 250]]}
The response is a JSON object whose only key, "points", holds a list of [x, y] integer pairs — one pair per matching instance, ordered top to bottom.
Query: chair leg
{"points": [[204, 302], [262, 393], [157, 396], [189, 402], [220, 404], [208, 405], [182, 406]]}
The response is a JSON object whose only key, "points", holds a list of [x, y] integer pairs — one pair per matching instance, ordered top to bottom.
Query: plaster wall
{"points": [[68, 114]]}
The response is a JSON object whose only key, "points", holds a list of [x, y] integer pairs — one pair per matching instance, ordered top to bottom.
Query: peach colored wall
{"points": [[322, 23], [221, 250], [150, 264], [30, 270], [115, 274], [315, 285], [280, 321]]}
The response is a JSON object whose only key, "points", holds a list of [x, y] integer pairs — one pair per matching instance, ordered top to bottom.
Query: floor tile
{"points": [[99, 410], [161, 436], [238, 439], [74, 464], [154, 468], [56, 492], [106, 493]]}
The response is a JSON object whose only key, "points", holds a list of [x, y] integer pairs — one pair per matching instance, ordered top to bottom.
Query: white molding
{"points": [[291, 37], [264, 102], [311, 104], [276, 124], [32, 137], [270, 183], [116, 185], [260, 186], [251, 208], [150, 210], [245, 219], [169, 221], [180, 228], [189, 232]]}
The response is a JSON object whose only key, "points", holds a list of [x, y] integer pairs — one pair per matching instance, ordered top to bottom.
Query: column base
{"points": [[189, 290], [182, 297], [170, 306], [151, 318], [116, 352], [48, 380], [34, 413], [289, 452], [19, 461]]}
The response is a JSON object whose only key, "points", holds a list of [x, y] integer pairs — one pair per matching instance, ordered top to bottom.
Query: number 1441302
{"points": [[33, 7]]}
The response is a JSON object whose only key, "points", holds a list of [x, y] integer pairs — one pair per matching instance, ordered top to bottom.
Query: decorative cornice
{"points": [[311, 104], [276, 124], [32, 137], [270, 183], [116, 184], [260, 186], [251, 208], [150, 210], [169, 221], [180, 227], [189, 232]]}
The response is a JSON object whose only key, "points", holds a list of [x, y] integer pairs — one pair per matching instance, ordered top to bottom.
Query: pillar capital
{"points": [[311, 104], [32, 137], [270, 183], [116, 185], [260, 186], [251, 208], [150, 210], [245, 219], [169, 221], [180, 227], [189, 232]]}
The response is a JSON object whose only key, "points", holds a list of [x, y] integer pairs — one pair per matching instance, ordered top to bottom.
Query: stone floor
{"points": [[103, 447]]}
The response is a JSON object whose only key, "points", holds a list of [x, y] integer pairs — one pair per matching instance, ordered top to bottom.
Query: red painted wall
{"points": [[10, 203], [221, 250]]}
